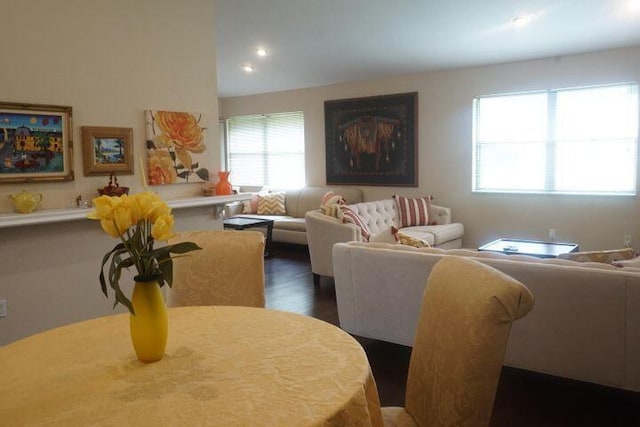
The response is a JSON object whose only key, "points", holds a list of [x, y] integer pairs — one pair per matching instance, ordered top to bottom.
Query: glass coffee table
{"points": [[243, 222], [530, 247]]}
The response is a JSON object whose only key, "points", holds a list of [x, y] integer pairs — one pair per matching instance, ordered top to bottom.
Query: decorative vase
{"points": [[223, 187], [149, 325]]}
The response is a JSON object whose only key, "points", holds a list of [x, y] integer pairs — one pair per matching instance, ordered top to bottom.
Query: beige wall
{"points": [[109, 60], [445, 110]]}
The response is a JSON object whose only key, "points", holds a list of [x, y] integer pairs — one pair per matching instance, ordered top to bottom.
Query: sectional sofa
{"points": [[290, 227], [324, 231], [585, 323]]}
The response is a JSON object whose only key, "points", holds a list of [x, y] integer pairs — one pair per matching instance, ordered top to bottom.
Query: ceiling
{"points": [[319, 42]]}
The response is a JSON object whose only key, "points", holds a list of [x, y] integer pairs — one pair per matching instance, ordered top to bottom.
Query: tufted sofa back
{"points": [[378, 215]]}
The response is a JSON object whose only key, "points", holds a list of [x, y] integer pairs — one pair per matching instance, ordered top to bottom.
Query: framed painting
{"points": [[372, 141], [36, 143], [176, 147], [107, 150]]}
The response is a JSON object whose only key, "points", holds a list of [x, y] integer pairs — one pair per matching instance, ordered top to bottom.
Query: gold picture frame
{"points": [[36, 143], [107, 150]]}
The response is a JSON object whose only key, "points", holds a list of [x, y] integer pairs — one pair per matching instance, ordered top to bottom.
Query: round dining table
{"points": [[223, 366]]}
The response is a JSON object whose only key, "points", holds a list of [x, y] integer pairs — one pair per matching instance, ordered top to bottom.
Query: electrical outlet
{"points": [[627, 240], [3, 308]]}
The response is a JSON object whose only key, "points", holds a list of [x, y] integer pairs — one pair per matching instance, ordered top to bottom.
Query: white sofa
{"points": [[291, 227], [324, 231], [585, 323]]}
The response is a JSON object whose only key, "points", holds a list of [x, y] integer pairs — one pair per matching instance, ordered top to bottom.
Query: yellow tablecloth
{"points": [[224, 366]]}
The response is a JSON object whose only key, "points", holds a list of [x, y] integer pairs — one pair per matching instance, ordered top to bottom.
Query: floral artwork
{"points": [[176, 147]]}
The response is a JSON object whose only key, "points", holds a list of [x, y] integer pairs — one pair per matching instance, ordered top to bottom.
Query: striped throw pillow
{"points": [[331, 198], [271, 204], [414, 211], [349, 215]]}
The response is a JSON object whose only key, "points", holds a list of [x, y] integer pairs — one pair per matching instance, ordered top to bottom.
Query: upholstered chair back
{"points": [[229, 270], [466, 317]]}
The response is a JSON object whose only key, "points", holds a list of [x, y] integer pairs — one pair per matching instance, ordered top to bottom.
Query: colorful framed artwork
{"points": [[372, 141], [36, 143], [176, 147], [107, 150]]}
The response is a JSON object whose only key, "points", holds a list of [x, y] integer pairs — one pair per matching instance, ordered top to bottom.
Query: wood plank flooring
{"points": [[523, 398]]}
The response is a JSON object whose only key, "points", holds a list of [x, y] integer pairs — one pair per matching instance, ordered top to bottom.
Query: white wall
{"points": [[109, 60], [445, 113]]}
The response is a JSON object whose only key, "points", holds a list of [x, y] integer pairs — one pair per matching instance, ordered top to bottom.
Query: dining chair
{"points": [[229, 270], [465, 320]]}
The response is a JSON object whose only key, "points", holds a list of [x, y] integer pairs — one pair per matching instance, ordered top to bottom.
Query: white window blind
{"points": [[574, 141], [267, 150]]}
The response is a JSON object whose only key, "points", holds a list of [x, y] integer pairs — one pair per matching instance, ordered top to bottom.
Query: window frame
{"points": [[264, 151], [551, 153]]}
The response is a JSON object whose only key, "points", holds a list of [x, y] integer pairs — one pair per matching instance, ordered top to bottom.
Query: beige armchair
{"points": [[229, 270], [465, 321]]}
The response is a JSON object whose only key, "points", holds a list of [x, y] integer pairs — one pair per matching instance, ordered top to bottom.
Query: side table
{"points": [[243, 223], [535, 248]]}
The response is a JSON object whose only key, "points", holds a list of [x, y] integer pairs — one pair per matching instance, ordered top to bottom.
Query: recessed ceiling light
{"points": [[520, 20], [261, 52], [248, 68]]}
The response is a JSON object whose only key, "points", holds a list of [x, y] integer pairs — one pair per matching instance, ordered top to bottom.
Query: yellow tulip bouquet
{"points": [[138, 221]]}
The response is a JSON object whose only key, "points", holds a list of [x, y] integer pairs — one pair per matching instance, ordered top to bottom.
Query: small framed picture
{"points": [[106, 150]]}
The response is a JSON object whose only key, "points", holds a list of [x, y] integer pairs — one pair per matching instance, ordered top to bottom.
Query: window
{"points": [[574, 141], [267, 150]]}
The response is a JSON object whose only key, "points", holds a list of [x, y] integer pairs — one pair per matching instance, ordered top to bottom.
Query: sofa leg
{"points": [[316, 279]]}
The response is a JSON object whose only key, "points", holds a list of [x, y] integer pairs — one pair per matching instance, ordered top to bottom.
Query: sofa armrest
{"points": [[234, 208], [441, 215], [323, 231]]}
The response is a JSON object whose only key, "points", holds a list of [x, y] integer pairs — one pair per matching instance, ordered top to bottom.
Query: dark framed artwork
{"points": [[373, 140], [35, 143], [107, 150]]}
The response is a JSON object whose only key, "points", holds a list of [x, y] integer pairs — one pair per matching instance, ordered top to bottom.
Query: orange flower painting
{"points": [[175, 147]]}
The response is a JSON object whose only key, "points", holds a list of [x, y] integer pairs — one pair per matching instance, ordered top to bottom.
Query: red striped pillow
{"points": [[414, 211], [349, 215]]}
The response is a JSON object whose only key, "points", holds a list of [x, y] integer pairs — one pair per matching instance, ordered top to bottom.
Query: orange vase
{"points": [[223, 187]]}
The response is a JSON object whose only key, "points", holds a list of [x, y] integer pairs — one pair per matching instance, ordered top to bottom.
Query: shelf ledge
{"points": [[47, 216]]}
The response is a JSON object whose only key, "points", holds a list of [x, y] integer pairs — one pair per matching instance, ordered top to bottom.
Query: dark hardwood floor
{"points": [[523, 398]]}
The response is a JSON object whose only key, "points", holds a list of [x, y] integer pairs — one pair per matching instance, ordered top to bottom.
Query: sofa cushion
{"points": [[331, 198], [271, 204], [330, 204], [251, 206], [414, 211], [348, 215], [290, 223], [436, 234], [388, 235], [405, 239], [608, 256]]}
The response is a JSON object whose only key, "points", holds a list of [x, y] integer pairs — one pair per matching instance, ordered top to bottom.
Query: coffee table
{"points": [[243, 222], [536, 248]]}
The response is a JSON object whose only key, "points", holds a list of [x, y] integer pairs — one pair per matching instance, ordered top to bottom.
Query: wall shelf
{"points": [[47, 216]]}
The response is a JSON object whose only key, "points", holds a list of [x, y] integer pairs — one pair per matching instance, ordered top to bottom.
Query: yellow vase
{"points": [[149, 325]]}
